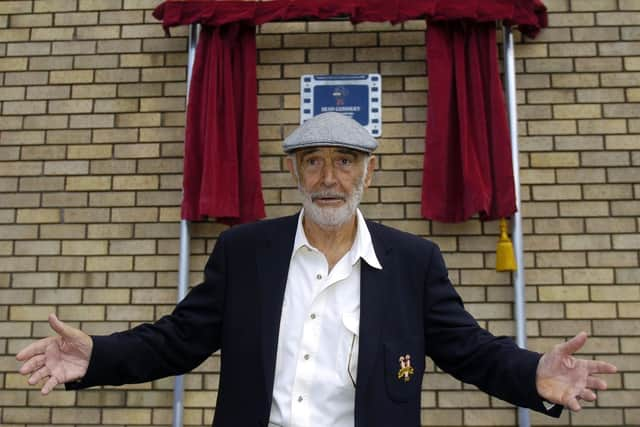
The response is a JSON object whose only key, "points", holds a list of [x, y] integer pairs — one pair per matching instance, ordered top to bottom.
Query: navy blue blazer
{"points": [[408, 307]]}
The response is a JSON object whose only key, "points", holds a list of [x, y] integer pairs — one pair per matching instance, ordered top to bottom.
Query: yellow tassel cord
{"points": [[505, 259]]}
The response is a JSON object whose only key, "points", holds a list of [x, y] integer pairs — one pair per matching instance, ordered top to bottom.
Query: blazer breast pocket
{"points": [[404, 368]]}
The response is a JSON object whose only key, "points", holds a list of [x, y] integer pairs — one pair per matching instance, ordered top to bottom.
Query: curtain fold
{"points": [[529, 15], [221, 160], [467, 163]]}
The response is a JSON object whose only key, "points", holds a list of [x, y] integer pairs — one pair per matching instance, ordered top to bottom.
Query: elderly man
{"points": [[323, 318]]}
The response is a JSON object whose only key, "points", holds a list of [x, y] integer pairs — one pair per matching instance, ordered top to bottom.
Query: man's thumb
{"points": [[59, 326], [575, 343]]}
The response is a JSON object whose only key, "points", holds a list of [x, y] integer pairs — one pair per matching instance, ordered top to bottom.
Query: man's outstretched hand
{"points": [[59, 359], [564, 379]]}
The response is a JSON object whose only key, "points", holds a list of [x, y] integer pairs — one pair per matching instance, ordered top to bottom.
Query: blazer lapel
{"points": [[274, 256], [373, 283]]}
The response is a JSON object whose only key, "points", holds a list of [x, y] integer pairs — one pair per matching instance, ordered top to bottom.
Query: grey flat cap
{"points": [[332, 129]]}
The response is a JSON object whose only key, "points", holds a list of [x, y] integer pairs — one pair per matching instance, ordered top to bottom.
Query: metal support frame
{"points": [[516, 222], [185, 251]]}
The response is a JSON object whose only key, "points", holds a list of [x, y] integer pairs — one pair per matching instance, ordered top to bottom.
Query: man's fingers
{"points": [[60, 327], [574, 344], [34, 349], [36, 362], [600, 367], [39, 375], [595, 383], [49, 385], [588, 395], [573, 404]]}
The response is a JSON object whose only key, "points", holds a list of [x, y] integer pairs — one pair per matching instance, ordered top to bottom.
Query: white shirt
{"points": [[317, 354]]}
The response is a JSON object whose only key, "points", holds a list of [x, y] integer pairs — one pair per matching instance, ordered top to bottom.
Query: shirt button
{"points": [[318, 276], [313, 316], [307, 357], [299, 398]]}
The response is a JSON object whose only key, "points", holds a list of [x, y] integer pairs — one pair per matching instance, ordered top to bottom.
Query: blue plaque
{"points": [[355, 95]]}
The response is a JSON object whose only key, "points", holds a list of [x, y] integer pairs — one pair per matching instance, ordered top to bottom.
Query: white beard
{"points": [[328, 216]]}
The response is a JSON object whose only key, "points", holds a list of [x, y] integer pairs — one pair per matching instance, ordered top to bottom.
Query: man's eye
{"points": [[345, 162]]}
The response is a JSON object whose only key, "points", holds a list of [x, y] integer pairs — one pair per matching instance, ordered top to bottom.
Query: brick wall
{"points": [[91, 127]]}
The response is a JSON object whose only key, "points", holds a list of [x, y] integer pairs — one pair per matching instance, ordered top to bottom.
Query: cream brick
{"points": [[13, 7], [121, 17], [98, 32], [176, 44], [619, 48], [573, 49], [95, 61], [163, 74], [118, 75], [27, 78], [137, 90], [93, 91], [12, 93], [600, 95], [71, 106], [577, 111], [91, 121], [602, 126], [552, 127], [89, 152], [42, 153], [20, 168], [631, 175], [135, 182], [608, 191], [64, 199], [110, 199], [584, 208], [625, 208], [86, 215], [38, 216], [62, 231], [109, 231], [626, 241], [37, 247], [84, 247], [109, 263], [34, 280], [615, 292], [15, 296], [57, 296], [158, 296], [591, 310], [31, 312], [82, 312], [131, 313], [616, 327], [13, 398], [25, 415]]}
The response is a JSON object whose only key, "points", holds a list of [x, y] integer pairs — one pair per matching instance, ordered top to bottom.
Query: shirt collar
{"points": [[362, 244]]}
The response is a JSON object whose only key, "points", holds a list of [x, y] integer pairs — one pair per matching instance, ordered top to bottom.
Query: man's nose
{"points": [[328, 174]]}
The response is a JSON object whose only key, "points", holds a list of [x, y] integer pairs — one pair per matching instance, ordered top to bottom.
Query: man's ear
{"points": [[373, 162], [291, 167]]}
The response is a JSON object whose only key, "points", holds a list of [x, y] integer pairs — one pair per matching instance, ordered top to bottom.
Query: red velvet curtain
{"points": [[529, 15], [221, 160], [467, 163]]}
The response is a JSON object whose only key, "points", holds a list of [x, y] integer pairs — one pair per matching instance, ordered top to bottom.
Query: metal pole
{"points": [[516, 222], [185, 252]]}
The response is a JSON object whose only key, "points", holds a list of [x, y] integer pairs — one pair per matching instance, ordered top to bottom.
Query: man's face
{"points": [[332, 180]]}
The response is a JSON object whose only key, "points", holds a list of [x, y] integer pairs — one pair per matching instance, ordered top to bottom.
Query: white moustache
{"points": [[327, 195]]}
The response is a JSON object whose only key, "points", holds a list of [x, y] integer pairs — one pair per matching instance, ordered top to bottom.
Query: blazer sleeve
{"points": [[175, 344], [459, 346]]}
